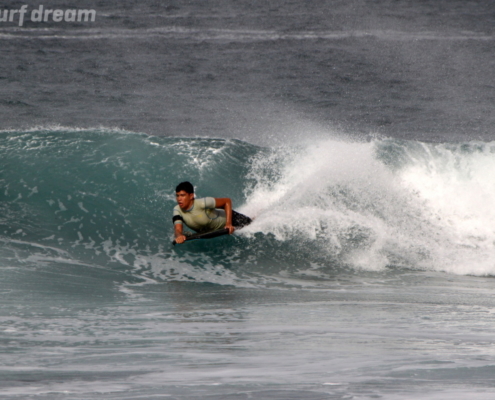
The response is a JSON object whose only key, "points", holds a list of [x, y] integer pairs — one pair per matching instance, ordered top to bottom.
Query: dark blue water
{"points": [[256, 69], [358, 134]]}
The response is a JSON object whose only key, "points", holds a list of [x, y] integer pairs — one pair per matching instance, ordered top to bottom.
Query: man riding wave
{"points": [[203, 215]]}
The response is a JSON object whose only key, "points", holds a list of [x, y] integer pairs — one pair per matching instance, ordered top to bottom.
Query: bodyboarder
{"points": [[203, 215]]}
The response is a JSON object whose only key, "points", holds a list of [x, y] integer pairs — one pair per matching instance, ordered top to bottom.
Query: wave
{"points": [[101, 198]]}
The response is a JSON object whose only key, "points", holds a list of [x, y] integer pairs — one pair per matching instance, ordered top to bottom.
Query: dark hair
{"points": [[185, 186]]}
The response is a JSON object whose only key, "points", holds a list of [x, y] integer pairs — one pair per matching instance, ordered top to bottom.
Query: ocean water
{"points": [[357, 134]]}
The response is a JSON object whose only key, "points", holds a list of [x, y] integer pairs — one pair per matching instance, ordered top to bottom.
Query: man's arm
{"points": [[226, 204], [178, 226], [179, 236]]}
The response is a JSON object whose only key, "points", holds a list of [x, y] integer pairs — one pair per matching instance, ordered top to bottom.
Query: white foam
{"points": [[458, 193], [432, 211]]}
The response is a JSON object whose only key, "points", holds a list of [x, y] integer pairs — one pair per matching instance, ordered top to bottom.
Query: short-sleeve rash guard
{"points": [[202, 216]]}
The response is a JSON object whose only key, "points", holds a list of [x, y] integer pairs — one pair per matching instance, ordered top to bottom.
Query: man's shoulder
{"points": [[204, 202], [209, 202]]}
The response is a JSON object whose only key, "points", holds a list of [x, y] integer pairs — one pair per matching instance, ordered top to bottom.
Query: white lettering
{"points": [[22, 11], [12, 13], [47, 13], [41, 14], [85, 14], [37, 15], [58, 15], [70, 15]]}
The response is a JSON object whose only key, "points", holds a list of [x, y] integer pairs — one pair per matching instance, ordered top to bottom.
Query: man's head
{"points": [[186, 187], [184, 193]]}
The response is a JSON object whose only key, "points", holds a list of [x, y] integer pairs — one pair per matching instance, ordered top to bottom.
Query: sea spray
{"points": [[381, 203]]}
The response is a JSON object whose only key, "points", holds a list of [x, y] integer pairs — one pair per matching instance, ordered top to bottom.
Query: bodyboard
{"points": [[208, 235]]}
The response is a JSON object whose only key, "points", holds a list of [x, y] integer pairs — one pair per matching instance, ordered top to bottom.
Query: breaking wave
{"points": [[101, 200]]}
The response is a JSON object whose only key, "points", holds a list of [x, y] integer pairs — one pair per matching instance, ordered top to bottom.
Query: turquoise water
{"points": [[104, 198]]}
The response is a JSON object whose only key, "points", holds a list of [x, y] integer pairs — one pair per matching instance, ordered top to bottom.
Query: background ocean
{"points": [[359, 134]]}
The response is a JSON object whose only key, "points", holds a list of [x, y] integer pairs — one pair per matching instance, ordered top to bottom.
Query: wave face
{"points": [[103, 199]]}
